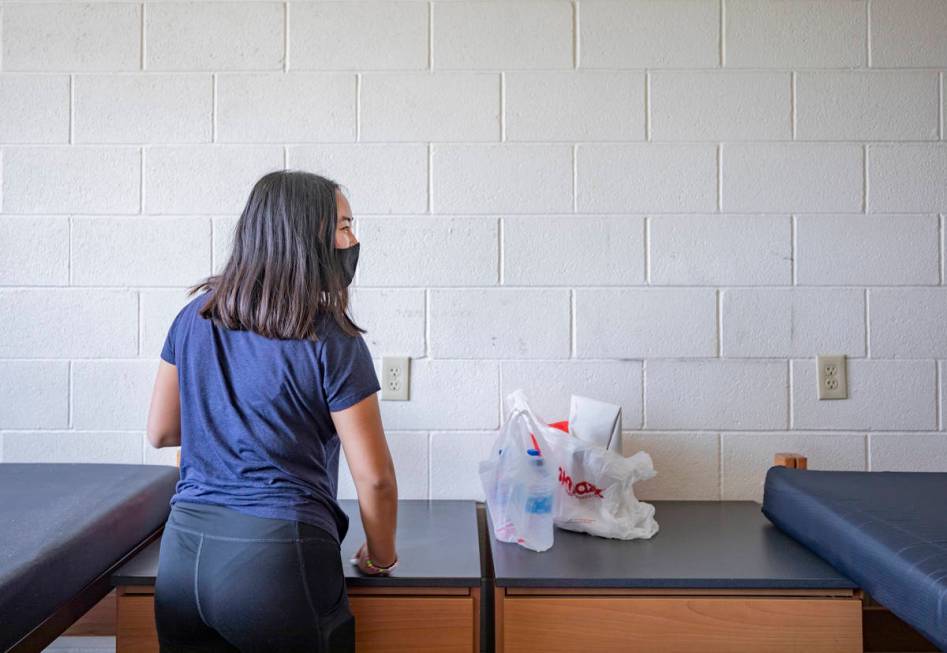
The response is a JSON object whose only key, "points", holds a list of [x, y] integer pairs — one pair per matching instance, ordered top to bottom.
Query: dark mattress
{"points": [[63, 524], [887, 531]]}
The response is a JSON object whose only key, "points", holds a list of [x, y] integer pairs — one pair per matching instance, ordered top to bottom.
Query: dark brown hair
{"points": [[284, 274]]}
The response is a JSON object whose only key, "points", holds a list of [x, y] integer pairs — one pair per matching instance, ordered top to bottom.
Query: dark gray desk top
{"points": [[437, 543], [707, 545]]}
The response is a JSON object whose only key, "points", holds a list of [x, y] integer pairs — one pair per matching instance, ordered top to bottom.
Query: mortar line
{"points": [[430, 36], [141, 38], [792, 103], [647, 105], [502, 106], [358, 107], [72, 109], [943, 112], [213, 125], [430, 178], [575, 178], [865, 178], [141, 180], [213, 239], [940, 240], [647, 250], [500, 251], [69, 253], [213, 263], [793, 268], [718, 306], [138, 315], [427, 323], [938, 378], [644, 395], [789, 395], [500, 411], [430, 462]]}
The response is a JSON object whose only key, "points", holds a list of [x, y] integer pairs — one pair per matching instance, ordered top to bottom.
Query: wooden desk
{"points": [[716, 577], [430, 603]]}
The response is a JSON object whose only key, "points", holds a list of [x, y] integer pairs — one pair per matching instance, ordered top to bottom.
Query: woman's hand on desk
{"points": [[362, 558]]}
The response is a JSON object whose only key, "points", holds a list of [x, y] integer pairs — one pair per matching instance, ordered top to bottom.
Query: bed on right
{"points": [[887, 531]]}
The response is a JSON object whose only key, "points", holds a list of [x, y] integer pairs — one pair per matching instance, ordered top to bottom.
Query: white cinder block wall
{"points": [[671, 205]]}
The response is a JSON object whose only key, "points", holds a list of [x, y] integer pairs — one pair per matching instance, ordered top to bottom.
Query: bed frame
{"points": [[81, 614], [96, 617], [881, 629]]}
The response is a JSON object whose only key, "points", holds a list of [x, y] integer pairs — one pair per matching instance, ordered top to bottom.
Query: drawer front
{"points": [[384, 624], [389, 624], [553, 624], [135, 630]]}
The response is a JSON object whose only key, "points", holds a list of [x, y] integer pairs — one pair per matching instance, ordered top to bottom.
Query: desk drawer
{"points": [[135, 624], [386, 624], [389, 624], [706, 624]]}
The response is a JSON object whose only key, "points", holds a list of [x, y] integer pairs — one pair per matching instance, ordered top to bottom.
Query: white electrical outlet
{"points": [[833, 377], [395, 378]]}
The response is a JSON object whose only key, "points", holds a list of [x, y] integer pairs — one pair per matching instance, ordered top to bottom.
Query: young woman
{"points": [[262, 376]]}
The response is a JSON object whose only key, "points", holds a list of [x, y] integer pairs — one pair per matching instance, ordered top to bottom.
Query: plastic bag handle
{"points": [[518, 406]]}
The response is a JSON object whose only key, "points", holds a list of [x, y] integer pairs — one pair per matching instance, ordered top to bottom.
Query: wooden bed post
{"points": [[793, 460]]}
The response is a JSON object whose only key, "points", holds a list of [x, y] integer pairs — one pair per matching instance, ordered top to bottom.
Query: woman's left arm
{"points": [[164, 416]]}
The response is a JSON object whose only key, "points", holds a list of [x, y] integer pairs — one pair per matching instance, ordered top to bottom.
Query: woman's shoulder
{"points": [[328, 327]]}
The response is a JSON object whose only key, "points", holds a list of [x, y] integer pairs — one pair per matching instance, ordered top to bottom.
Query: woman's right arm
{"points": [[366, 450]]}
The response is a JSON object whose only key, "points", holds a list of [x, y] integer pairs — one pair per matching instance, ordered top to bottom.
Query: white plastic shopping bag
{"points": [[519, 482], [595, 489], [595, 493]]}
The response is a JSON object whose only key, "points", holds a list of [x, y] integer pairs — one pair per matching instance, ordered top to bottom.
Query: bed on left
{"points": [[64, 529]]}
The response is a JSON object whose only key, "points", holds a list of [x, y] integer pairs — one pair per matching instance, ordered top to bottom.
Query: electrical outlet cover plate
{"points": [[833, 377], [395, 378]]}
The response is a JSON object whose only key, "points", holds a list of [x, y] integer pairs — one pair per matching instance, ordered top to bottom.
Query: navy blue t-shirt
{"points": [[256, 434]]}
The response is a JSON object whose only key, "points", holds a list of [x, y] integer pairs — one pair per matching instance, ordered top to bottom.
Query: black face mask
{"points": [[348, 257]]}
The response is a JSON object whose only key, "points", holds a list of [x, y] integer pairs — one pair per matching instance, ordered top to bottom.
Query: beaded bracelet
{"points": [[384, 570]]}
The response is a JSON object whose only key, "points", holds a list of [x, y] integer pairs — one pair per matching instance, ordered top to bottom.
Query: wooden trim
{"points": [[791, 460], [126, 590], [410, 591], [680, 593], [475, 595], [498, 619], [97, 622]]}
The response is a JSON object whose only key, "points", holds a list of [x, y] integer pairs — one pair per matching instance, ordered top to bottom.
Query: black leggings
{"points": [[228, 581]]}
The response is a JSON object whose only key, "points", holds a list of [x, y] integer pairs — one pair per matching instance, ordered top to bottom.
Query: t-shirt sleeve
{"points": [[167, 351], [348, 373]]}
